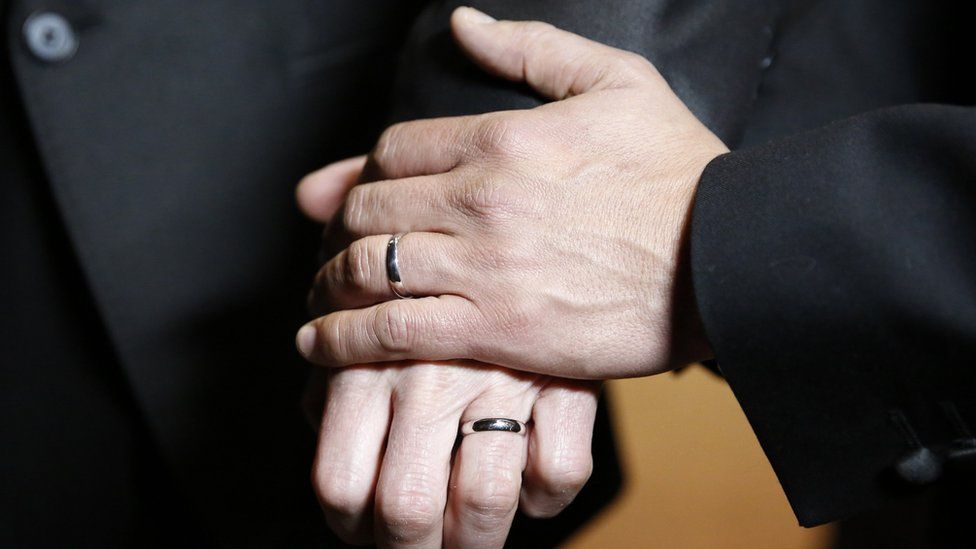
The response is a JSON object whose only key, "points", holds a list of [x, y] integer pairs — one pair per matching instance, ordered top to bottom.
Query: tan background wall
{"points": [[696, 476]]}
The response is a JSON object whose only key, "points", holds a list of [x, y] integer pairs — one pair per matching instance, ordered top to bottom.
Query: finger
{"points": [[556, 63], [420, 147], [320, 193], [422, 203], [428, 263], [429, 328], [354, 428], [560, 455], [485, 481], [412, 489]]}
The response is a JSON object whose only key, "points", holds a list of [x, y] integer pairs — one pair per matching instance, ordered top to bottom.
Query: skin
{"points": [[552, 241], [387, 469]]}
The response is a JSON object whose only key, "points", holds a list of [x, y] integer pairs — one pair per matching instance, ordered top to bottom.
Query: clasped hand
{"points": [[551, 241]]}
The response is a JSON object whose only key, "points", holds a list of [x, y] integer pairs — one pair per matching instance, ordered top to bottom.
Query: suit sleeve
{"points": [[835, 272]]}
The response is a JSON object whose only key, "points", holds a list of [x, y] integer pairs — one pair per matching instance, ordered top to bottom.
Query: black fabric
{"points": [[710, 52], [756, 72], [172, 140], [171, 144], [155, 238], [835, 269], [835, 275], [75, 448]]}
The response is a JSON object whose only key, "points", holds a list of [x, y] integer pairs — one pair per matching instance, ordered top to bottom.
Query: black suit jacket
{"points": [[172, 139], [149, 225], [834, 253]]}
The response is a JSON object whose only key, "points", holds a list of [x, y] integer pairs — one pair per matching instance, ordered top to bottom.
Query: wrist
{"points": [[689, 340]]}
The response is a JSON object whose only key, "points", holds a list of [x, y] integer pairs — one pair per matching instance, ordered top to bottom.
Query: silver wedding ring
{"points": [[393, 267], [493, 424]]}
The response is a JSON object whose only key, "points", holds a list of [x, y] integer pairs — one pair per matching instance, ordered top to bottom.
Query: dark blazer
{"points": [[149, 181], [834, 253], [155, 266]]}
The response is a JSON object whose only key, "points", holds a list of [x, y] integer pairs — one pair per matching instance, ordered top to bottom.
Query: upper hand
{"points": [[549, 240]]}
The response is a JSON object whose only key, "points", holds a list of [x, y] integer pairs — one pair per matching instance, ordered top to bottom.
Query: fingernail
{"points": [[477, 17], [305, 340]]}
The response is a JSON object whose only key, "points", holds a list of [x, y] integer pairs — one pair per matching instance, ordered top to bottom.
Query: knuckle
{"points": [[533, 31], [635, 67], [504, 136], [386, 145], [482, 198], [491, 201], [356, 205], [509, 258], [357, 270], [325, 281], [394, 327], [330, 341], [430, 383], [566, 476], [340, 492], [494, 500], [408, 516]]}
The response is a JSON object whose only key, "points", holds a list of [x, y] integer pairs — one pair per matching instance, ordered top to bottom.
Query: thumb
{"points": [[556, 63]]}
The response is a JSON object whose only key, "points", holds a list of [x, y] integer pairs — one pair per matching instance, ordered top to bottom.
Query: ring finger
{"points": [[357, 277], [486, 480]]}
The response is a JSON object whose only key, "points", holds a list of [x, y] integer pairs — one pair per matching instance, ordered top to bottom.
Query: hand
{"points": [[551, 240], [387, 468]]}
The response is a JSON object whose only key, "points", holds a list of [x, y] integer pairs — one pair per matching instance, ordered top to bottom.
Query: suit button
{"points": [[50, 37], [920, 466]]}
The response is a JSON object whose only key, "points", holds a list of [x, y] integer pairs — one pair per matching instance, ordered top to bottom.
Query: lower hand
{"points": [[387, 469]]}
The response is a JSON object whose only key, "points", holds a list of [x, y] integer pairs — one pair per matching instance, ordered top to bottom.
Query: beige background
{"points": [[695, 474]]}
